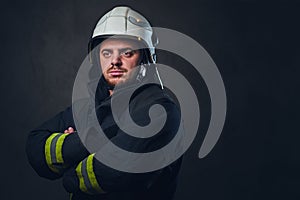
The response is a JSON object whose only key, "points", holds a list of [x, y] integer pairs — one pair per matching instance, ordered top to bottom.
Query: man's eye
{"points": [[128, 53], [106, 54]]}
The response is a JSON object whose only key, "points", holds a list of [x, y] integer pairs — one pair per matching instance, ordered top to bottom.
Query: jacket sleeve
{"points": [[50, 151], [92, 177]]}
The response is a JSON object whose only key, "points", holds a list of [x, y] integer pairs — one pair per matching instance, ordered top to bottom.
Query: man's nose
{"points": [[116, 60]]}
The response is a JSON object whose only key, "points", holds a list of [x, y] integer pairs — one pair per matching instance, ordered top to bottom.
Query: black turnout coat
{"points": [[54, 154]]}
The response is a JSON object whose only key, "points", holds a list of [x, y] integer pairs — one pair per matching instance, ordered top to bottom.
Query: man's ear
{"points": [[141, 73]]}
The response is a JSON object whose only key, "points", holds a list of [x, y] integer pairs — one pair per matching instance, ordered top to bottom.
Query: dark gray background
{"points": [[255, 45]]}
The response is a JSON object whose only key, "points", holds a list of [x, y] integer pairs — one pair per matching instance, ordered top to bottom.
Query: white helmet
{"points": [[123, 21]]}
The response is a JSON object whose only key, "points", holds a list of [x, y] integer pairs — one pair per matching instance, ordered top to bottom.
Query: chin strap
{"points": [[159, 79]]}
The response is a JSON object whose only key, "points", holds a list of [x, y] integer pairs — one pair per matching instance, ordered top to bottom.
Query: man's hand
{"points": [[69, 130]]}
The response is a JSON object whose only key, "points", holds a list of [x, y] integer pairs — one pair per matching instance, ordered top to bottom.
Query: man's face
{"points": [[118, 58]]}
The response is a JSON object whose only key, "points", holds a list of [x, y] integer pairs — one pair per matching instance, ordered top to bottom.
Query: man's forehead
{"points": [[120, 43]]}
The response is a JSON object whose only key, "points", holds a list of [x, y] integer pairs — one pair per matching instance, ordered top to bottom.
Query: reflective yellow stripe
{"points": [[58, 148], [48, 152], [53, 152], [91, 174], [86, 176], [81, 178]]}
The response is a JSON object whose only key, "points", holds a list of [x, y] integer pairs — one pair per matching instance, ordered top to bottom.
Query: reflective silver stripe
{"points": [[53, 149], [47, 151], [53, 152], [86, 179]]}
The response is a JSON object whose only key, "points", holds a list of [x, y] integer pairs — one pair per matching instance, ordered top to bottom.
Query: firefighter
{"points": [[123, 47]]}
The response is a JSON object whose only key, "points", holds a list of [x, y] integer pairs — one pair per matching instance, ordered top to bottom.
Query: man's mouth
{"points": [[116, 72]]}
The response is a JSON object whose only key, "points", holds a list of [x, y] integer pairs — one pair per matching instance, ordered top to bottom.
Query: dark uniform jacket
{"points": [[54, 154]]}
